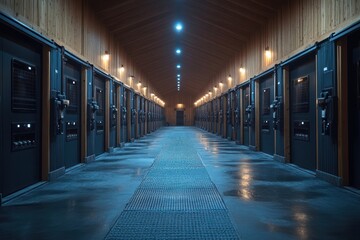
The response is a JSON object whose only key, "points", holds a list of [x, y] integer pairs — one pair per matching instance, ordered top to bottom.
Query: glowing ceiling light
{"points": [[178, 27], [178, 51], [178, 66]]}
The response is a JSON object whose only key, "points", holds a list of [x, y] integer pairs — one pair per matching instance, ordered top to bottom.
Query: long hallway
{"points": [[183, 183]]}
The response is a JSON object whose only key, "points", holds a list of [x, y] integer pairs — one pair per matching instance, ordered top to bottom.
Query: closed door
{"points": [[72, 80], [266, 92], [99, 93], [354, 110], [20, 111], [303, 113], [237, 115], [246, 117], [179, 118], [124, 131]]}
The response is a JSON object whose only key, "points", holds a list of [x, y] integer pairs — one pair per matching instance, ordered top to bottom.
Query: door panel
{"points": [[72, 81], [99, 93], [246, 103], [21, 104], [354, 110], [303, 113], [113, 114], [237, 115], [179, 118], [266, 127], [124, 129]]}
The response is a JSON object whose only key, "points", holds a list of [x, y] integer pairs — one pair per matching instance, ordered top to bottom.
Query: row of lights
{"points": [[178, 28], [106, 57], [208, 95]]}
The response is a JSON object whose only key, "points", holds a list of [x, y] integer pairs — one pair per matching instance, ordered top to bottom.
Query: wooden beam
{"points": [[107, 115], [118, 115], [257, 115], [83, 117], [343, 130], [45, 131], [287, 131]]}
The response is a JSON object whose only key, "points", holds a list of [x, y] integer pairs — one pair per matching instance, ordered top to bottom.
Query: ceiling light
{"points": [[178, 27], [178, 51], [178, 66], [178, 75]]}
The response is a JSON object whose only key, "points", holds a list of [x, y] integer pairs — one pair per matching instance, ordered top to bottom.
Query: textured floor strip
{"points": [[179, 199], [176, 200], [173, 225]]}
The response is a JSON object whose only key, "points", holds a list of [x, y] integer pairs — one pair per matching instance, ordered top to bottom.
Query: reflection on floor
{"points": [[182, 182]]}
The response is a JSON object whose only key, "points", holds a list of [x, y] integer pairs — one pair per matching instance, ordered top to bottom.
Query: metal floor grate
{"points": [[176, 199], [173, 225]]}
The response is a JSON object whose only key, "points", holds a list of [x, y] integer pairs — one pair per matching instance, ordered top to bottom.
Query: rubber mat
{"points": [[176, 200], [173, 225]]}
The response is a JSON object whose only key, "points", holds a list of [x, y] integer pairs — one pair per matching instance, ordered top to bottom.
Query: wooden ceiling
{"points": [[214, 32]]}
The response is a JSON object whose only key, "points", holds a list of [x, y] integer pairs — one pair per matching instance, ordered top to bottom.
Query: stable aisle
{"points": [[176, 199]]}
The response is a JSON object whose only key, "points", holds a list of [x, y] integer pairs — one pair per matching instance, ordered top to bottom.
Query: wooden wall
{"points": [[71, 23], [297, 25], [170, 111]]}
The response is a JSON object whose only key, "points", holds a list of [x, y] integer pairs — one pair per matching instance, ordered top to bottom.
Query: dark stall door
{"points": [[72, 78], [99, 93], [246, 103], [114, 108], [20, 111], [354, 111], [303, 114], [179, 118], [124, 129], [266, 132]]}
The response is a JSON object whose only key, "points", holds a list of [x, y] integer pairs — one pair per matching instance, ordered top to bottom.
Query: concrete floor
{"points": [[264, 199]]}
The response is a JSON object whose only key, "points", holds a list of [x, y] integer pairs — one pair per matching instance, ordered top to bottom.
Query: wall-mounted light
{"points": [[267, 52], [106, 56], [122, 69], [242, 70], [229, 78], [139, 84], [221, 84], [215, 88], [210, 93]]}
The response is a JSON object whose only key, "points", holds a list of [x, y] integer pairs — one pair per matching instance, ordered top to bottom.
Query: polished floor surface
{"points": [[183, 183]]}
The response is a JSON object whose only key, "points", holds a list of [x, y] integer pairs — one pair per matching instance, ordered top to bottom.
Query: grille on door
{"points": [[23, 87]]}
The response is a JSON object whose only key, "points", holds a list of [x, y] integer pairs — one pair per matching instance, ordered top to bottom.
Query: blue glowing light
{"points": [[178, 27], [178, 51], [178, 66]]}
